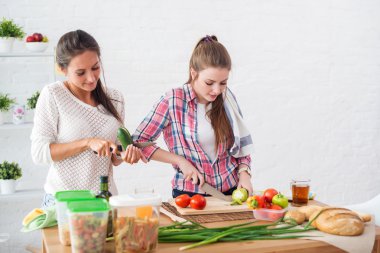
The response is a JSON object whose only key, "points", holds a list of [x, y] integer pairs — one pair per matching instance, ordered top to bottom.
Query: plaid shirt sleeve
{"points": [[153, 124], [246, 160]]}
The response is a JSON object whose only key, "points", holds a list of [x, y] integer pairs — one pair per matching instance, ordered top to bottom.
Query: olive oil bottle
{"points": [[105, 194]]}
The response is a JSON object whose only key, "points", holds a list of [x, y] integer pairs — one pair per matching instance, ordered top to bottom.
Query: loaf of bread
{"points": [[309, 210], [295, 215], [364, 216], [338, 221]]}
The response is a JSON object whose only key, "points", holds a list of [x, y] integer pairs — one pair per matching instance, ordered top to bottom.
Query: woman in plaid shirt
{"points": [[196, 127]]}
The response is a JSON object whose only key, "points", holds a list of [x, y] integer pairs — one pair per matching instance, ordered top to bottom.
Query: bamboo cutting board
{"points": [[213, 205]]}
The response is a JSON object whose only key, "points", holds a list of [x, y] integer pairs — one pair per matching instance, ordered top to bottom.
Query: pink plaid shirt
{"points": [[175, 115]]}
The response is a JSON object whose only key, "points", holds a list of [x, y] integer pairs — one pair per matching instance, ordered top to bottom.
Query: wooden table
{"points": [[51, 243]]}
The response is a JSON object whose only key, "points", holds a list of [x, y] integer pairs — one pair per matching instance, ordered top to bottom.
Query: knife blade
{"points": [[136, 144], [215, 193]]}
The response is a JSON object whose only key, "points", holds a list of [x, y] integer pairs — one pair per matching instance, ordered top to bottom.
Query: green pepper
{"points": [[124, 137]]}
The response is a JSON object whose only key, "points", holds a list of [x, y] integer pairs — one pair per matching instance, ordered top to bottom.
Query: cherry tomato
{"points": [[269, 194], [182, 200], [198, 202], [255, 202]]}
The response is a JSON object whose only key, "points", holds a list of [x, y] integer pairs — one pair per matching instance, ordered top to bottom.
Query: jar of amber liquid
{"points": [[300, 192]]}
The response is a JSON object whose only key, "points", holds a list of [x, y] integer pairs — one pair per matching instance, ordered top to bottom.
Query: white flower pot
{"points": [[6, 44], [18, 114], [29, 116], [1, 117], [8, 186]]}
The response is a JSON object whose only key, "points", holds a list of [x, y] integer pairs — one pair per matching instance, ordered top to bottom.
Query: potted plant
{"points": [[9, 31], [32, 101], [5, 104], [31, 105], [9, 172]]}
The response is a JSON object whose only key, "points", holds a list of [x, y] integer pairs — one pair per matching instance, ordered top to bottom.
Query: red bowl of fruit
{"points": [[36, 42]]}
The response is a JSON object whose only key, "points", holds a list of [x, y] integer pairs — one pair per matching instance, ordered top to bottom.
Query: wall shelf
{"points": [[27, 54], [10, 126]]}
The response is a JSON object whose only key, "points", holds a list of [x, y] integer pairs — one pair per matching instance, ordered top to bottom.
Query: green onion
{"points": [[189, 231]]}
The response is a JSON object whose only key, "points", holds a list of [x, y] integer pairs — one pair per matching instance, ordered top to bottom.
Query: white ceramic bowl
{"points": [[36, 46]]}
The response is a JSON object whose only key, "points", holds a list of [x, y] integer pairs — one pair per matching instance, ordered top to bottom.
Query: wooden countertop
{"points": [[51, 243]]}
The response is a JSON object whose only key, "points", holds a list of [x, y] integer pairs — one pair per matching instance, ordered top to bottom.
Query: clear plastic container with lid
{"points": [[62, 198], [135, 221], [88, 225]]}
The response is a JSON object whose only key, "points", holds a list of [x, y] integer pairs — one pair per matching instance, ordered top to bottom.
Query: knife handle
{"points": [[119, 149], [180, 171]]}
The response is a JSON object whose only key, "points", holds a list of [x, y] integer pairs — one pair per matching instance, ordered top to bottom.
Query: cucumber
{"points": [[124, 137]]}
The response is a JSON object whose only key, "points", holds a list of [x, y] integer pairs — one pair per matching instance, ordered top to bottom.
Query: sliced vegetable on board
{"points": [[239, 196]]}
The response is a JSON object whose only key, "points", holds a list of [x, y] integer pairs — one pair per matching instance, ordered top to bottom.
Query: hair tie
{"points": [[208, 39]]}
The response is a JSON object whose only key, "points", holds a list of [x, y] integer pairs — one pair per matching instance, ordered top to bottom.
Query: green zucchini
{"points": [[124, 137]]}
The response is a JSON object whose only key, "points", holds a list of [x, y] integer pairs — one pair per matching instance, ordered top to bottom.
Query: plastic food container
{"points": [[62, 198], [269, 214], [135, 222], [88, 225]]}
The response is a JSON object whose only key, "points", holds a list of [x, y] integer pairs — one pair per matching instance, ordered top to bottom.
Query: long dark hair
{"points": [[75, 43], [210, 53]]}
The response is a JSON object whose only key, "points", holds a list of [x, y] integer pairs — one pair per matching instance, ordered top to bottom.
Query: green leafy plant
{"points": [[9, 29], [32, 101], [6, 102], [10, 170]]}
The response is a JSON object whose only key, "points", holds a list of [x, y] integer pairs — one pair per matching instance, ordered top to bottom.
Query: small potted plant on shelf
{"points": [[9, 31], [5, 104], [31, 105], [9, 173]]}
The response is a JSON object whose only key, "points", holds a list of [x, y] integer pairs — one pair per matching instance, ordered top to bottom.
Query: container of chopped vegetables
{"points": [[62, 198], [135, 222], [88, 225]]}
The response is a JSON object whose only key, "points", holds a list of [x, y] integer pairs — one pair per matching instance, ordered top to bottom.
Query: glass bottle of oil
{"points": [[105, 194]]}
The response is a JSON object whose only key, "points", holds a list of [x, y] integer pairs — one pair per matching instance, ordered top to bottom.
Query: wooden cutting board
{"points": [[213, 205]]}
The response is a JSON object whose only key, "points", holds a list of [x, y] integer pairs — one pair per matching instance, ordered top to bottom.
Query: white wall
{"points": [[306, 74]]}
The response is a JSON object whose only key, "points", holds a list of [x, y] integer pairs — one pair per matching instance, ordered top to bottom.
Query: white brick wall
{"points": [[306, 73]]}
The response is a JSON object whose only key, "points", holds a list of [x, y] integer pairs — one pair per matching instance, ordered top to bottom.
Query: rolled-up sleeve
{"points": [[153, 124], [45, 127], [246, 160]]}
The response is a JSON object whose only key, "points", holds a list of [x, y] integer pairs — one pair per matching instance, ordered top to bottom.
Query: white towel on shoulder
{"points": [[242, 138]]}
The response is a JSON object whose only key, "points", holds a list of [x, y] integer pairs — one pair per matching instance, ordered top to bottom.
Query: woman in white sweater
{"points": [[76, 118]]}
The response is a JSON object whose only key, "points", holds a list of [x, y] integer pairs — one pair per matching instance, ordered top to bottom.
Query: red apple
{"points": [[37, 37], [30, 39]]}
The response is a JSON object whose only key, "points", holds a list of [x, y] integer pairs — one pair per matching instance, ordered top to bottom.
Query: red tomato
{"points": [[269, 194], [182, 200], [198, 202], [266, 204], [276, 207], [275, 215]]}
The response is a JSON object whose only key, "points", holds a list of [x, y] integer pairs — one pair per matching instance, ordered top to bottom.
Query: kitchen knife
{"points": [[136, 144], [215, 193]]}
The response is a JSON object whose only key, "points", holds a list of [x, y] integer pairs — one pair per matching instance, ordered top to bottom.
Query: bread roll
{"points": [[309, 210], [295, 215], [364, 216], [338, 221]]}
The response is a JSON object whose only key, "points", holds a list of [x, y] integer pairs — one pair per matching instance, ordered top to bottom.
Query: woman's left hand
{"points": [[245, 182]]}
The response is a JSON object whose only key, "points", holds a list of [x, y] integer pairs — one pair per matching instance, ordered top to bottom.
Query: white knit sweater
{"points": [[60, 117]]}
